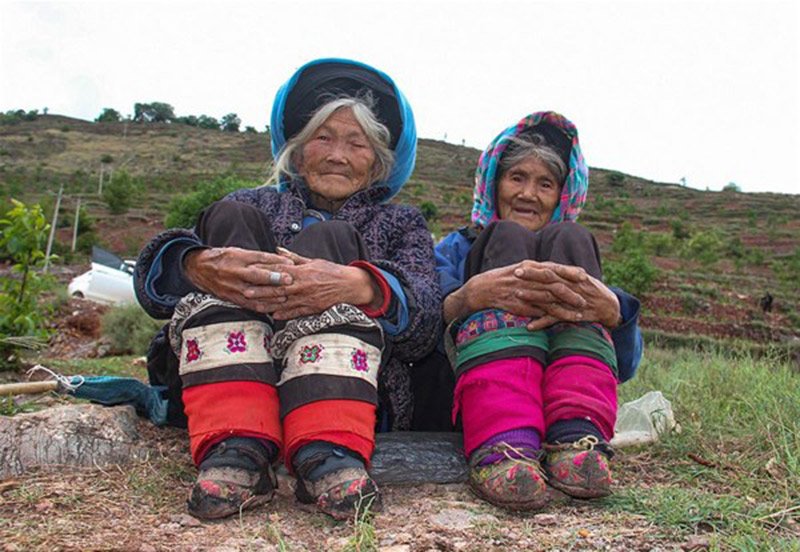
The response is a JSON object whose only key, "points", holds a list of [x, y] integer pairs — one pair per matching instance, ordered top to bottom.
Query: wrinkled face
{"points": [[337, 160], [528, 193]]}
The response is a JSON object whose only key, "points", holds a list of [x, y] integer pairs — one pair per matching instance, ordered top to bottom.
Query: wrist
{"points": [[189, 264], [371, 291], [456, 305], [614, 317]]}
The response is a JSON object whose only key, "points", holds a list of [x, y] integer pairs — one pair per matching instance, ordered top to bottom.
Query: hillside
{"points": [[741, 245]]}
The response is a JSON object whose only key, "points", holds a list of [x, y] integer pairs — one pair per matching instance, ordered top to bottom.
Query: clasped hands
{"points": [[306, 286], [549, 292]]}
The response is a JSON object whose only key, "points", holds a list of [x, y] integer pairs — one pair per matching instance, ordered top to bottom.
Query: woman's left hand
{"points": [[318, 284], [601, 306]]}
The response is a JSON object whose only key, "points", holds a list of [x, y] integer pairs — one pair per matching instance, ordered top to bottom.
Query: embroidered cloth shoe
{"points": [[579, 469], [235, 475], [515, 482], [342, 493]]}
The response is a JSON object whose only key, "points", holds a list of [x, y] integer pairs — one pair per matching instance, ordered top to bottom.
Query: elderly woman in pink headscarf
{"points": [[537, 341]]}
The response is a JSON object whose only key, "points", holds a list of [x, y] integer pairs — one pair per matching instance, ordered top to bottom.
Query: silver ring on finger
{"points": [[274, 278]]}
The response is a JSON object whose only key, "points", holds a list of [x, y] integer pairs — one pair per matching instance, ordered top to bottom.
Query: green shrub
{"points": [[109, 115], [14, 117], [615, 179], [118, 194], [623, 209], [183, 210], [429, 211], [679, 230], [23, 234], [626, 239], [659, 244], [704, 247], [788, 269], [634, 273], [129, 329]]}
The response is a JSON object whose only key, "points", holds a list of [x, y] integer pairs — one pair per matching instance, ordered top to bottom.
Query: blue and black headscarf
{"points": [[315, 82]]}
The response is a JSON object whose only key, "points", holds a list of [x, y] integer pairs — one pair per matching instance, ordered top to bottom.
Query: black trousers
{"points": [[234, 224], [504, 243]]}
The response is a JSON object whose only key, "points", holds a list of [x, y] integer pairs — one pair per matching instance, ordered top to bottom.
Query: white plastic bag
{"points": [[642, 421]]}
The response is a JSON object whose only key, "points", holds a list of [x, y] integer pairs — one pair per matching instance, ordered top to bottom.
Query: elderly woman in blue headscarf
{"points": [[295, 307], [537, 341]]}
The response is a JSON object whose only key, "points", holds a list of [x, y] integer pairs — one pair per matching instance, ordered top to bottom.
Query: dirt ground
{"points": [[141, 507]]}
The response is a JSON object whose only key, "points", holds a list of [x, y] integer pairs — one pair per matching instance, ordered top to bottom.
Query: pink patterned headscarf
{"points": [[573, 193]]}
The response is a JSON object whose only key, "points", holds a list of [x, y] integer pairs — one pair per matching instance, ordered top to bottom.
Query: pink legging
{"points": [[517, 392]]}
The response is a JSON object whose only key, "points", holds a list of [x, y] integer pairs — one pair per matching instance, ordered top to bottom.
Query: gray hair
{"points": [[378, 136], [532, 145]]}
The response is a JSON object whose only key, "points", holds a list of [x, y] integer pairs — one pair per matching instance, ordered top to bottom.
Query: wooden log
{"points": [[411, 458]]}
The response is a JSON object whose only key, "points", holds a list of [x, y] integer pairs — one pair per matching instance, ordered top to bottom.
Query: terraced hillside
{"points": [[717, 253]]}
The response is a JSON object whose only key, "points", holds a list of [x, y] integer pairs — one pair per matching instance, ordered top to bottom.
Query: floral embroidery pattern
{"points": [[488, 321], [237, 342], [265, 343], [193, 351], [311, 353], [358, 360]]}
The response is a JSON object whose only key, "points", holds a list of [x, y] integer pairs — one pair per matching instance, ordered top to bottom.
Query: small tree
{"points": [[155, 112], [109, 115], [189, 120], [204, 121], [230, 122], [731, 187], [118, 194], [184, 210], [23, 235], [627, 239], [705, 247], [634, 273]]}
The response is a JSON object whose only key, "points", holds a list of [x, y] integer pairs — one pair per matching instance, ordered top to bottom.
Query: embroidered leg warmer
{"points": [[227, 371], [499, 371], [580, 383], [328, 385]]}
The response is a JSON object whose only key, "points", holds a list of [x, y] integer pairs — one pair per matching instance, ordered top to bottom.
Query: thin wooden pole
{"points": [[100, 181], [75, 227], [52, 229], [28, 387]]}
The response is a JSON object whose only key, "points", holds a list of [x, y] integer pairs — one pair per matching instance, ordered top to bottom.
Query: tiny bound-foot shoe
{"points": [[579, 469], [235, 475], [515, 481], [343, 490]]}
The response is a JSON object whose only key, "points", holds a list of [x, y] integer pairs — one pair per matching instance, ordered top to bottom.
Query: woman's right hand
{"points": [[239, 275]]}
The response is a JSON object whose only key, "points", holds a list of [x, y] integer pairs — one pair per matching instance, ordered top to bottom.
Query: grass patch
{"points": [[107, 366], [736, 461], [364, 538]]}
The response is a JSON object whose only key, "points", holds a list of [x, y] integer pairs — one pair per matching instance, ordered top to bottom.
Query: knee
{"points": [[228, 212], [331, 229], [506, 232], [567, 234]]}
